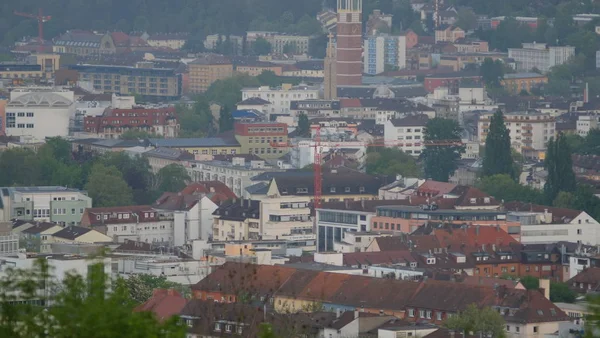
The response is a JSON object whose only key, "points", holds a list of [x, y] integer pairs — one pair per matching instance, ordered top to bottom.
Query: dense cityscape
{"points": [[277, 168]]}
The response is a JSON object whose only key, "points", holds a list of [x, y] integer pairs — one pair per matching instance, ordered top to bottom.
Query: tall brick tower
{"points": [[349, 43]]}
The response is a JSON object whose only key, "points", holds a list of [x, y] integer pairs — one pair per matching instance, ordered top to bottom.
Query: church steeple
{"points": [[330, 69]]}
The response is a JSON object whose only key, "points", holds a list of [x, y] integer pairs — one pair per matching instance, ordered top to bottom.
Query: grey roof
{"points": [[79, 39], [522, 75], [368, 91], [254, 101], [411, 121], [194, 142], [113, 143], [170, 154], [260, 188], [43, 189], [71, 232]]}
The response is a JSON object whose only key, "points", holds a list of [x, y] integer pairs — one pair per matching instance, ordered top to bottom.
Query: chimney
{"points": [[545, 286], [338, 313], [356, 314]]}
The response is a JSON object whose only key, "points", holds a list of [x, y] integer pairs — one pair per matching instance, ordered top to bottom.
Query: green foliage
{"points": [[467, 20], [261, 47], [492, 72], [225, 119], [196, 121], [303, 125], [576, 142], [591, 143], [498, 157], [391, 161], [440, 161], [559, 164], [135, 171], [172, 178], [503, 187], [117, 193], [564, 200], [530, 282], [141, 286], [559, 292], [82, 306], [479, 321], [592, 323], [266, 331]]}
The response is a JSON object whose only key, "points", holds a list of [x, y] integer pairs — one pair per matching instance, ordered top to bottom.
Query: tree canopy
{"points": [[498, 158], [391, 161], [440, 161], [559, 164], [486, 322]]}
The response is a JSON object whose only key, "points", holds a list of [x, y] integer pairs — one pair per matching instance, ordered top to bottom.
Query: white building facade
{"points": [[384, 50], [539, 56], [280, 97], [38, 113], [408, 132], [537, 227]]}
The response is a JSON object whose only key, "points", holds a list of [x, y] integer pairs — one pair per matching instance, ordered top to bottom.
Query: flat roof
{"points": [[408, 208]]}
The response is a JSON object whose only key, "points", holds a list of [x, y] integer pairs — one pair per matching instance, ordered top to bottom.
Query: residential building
{"points": [[449, 34], [171, 41], [211, 41], [84, 43], [281, 43], [349, 43], [471, 46], [383, 52], [539, 56], [49, 63], [255, 68], [208, 69], [312, 69], [20, 71], [450, 80], [516, 82], [152, 83], [281, 97], [255, 103], [383, 109], [39, 113], [114, 122], [585, 123], [408, 131], [529, 131], [259, 139], [200, 146], [332, 147], [159, 158], [236, 173], [49, 204], [193, 209], [237, 220], [140, 223], [543, 224], [75, 234], [34, 236], [9, 241], [176, 270], [586, 281]]}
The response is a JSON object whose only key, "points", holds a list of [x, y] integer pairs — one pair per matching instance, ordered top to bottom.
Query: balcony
{"points": [[527, 127], [527, 134], [527, 141]]}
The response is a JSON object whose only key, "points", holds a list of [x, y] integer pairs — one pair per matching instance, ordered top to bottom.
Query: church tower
{"points": [[349, 43], [330, 71]]}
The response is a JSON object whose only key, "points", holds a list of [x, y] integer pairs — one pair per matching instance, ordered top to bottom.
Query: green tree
{"points": [[466, 19], [261, 47], [492, 72], [268, 78], [225, 119], [303, 125], [575, 142], [591, 143], [498, 158], [391, 161], [440, 161], [559, 164], [19, 167], [135, 171], [171, 178], [503, 187], [107, 188], [564, 200], [530, 282], [141, 286], [559, 292], [82, 306], [486, 322]]}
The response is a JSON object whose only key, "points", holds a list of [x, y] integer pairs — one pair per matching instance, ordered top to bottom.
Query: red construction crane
{"points": [[40, 19], [317, 167]]}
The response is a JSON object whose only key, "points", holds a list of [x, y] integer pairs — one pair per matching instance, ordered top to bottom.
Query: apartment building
{"points": [[449, 34], [165, 40], [212, 41], [281, 43], [383, 52], [536, 55], [48, 62], [255, 68], [207, 69], [20, 71], [516, 82], [153, 83], [281, 97], [315, 108], [383, 109], [39, 113], [114, 122], [585, 123], [409, 130], [529, 131], [259, 138], [200, 146], [159, 158], [61, 205], [237, 220], [140, 223], [9, 241]]}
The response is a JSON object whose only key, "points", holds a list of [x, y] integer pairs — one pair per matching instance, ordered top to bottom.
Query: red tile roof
{"points": [[350, 103], [434, 188], [188, 197], [473, 236], [588, 276], [163, 303]]}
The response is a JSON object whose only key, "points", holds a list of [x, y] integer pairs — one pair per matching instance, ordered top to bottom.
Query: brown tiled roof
{"points": [[435, 188], [188, 197], [471, 197], [39, 228], [473, 236], [391, 243], [588, 276], [488, 281], [451, 297], [163, 303], [531, 305]]}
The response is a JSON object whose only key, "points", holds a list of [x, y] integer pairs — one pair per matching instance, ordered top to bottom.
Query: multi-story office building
{"points": [[381, 51], [536, 55], [208, 69], [20, 71], [155, 83], [281, 97], [315, 108], [409, 131], [529, 131], [258, 138], [236, 174], [49, 204]]}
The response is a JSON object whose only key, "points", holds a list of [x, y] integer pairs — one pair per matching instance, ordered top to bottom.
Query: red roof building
{"points": [[114, 122], [163, 303]]}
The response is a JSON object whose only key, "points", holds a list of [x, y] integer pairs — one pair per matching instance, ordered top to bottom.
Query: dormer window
{"points": [[332, 189], [347, 189], [361, 189], [301, 190], [284, 191], [473, 200], [486, 200], [485, 258], [217, 326], [228, 328]]}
